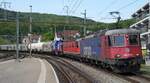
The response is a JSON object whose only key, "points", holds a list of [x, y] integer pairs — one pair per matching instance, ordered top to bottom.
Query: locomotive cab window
{"points": [[133, 39], [109, 41], [119, 41], [77, 44]]}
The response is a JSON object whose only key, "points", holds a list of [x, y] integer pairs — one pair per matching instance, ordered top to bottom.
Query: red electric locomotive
{"points": [[71, 47], [118, 49], [121, 50]]}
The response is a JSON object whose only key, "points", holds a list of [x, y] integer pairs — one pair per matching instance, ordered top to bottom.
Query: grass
{"points": [[145, 69]]}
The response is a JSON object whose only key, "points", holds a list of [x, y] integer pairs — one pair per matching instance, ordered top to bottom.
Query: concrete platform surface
{"points": [[147, 63], [29, 70]]}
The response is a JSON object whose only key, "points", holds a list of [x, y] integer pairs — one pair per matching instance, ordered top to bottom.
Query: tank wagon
{"points": [[12, 47], [35, 47]]}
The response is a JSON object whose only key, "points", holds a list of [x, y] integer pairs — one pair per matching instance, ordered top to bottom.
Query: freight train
{"points": [[119, 50]]}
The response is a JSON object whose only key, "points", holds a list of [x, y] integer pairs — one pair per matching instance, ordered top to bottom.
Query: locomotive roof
{"points": [[122, 31], [112, 32]]}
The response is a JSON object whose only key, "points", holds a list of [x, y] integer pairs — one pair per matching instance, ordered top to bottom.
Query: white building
{"points": [[142, 17], [33, 38]]}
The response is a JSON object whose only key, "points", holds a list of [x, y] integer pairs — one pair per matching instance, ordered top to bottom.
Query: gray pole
{"points": [[5, 12], [67, 14], [67, 17], [84, 22], [149, 23], [30, 27], [30, 31], [17, 36], [30, 39], [148, 40], [30, 45]]}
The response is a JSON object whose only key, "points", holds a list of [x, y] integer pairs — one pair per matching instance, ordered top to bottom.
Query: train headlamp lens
{"points": [[137, 54], [118, 56]]}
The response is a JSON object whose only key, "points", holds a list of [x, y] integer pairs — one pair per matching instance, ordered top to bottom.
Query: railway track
{"points": [[8, 55], [4, 56], [61, 66], [67, 72], [112, 74], [64, 76], [142, 76], [139, 77], [131, 78]]}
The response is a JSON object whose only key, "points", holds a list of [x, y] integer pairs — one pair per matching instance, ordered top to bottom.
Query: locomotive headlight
{"points": [[127, 50], [137, 54], [118, 56]]}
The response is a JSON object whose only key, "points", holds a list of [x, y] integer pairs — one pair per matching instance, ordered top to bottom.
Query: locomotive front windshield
{"points": [[133, 39], [116, 40], [120, 40]]}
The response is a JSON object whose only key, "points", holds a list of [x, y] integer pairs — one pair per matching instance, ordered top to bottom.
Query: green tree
{"points": [[48, 36], [4, 41]]}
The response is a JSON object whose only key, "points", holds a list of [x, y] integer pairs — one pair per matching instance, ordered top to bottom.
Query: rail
{"points": [[72, 74]]}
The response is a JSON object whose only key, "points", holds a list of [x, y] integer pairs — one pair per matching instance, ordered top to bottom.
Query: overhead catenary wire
{"points": [[63, 3], [71, 3], [68, 4], [74, 5], [127, 5], [77, 6], [107, 7], [123, 7]]}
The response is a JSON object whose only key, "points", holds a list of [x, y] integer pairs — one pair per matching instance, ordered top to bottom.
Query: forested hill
{"points": [[44, 24]]}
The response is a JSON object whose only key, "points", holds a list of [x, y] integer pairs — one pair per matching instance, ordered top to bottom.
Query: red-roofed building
{"points": [[68, 34]]}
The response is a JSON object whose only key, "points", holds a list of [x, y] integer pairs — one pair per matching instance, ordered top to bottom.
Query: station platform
{"points": [[147, 60], [147, 63], [29, 70]]}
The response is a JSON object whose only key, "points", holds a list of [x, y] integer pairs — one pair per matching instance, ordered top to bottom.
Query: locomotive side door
{"points": [[107, 46], [103, 48]]}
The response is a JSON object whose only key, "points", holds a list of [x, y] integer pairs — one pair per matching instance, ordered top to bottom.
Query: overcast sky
{"points": [[96, 9]]}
